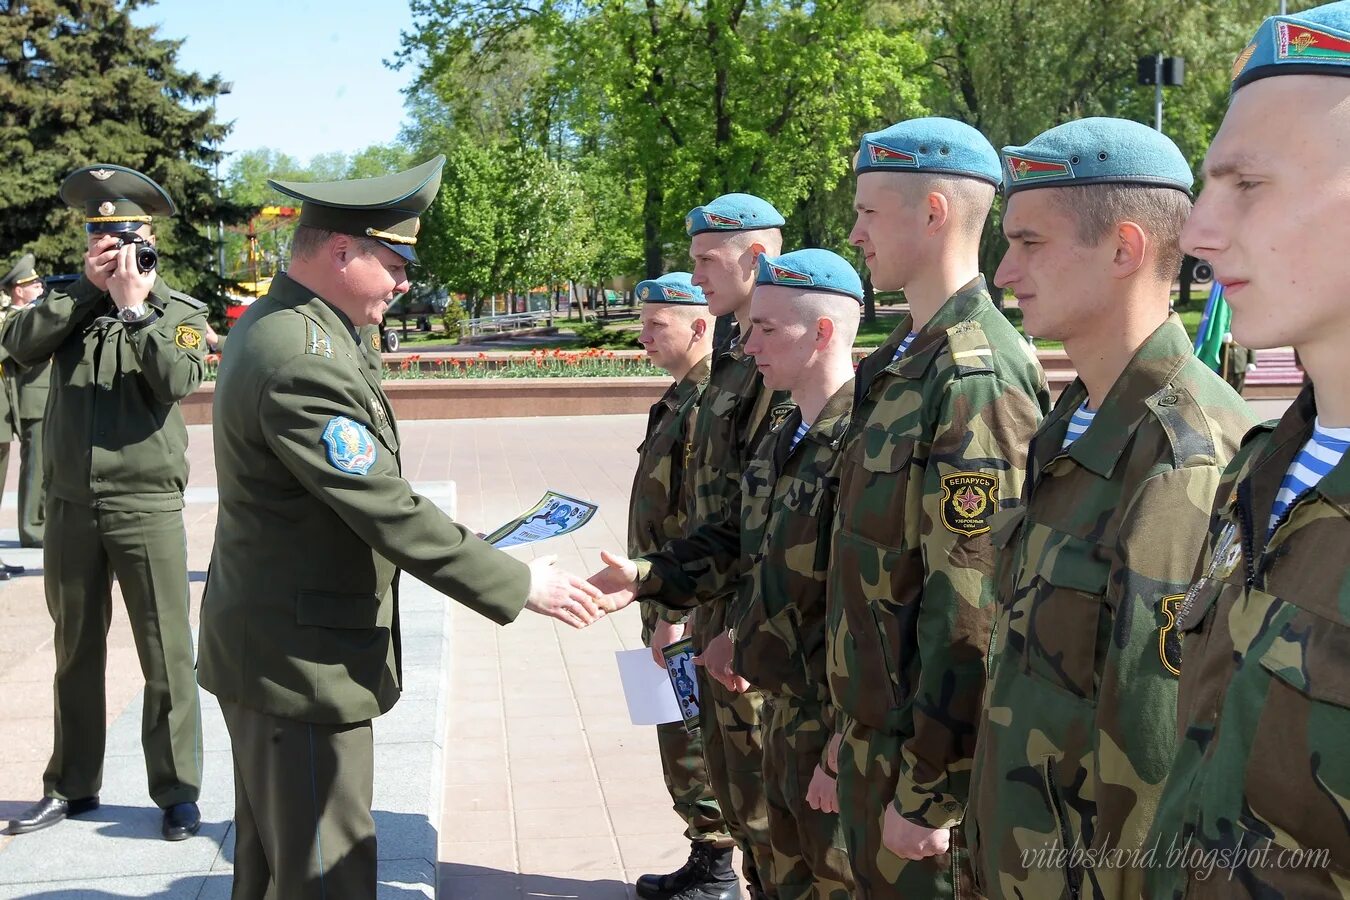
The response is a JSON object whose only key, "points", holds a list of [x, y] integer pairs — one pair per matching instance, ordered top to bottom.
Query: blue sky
{"points": [[309, 76]]}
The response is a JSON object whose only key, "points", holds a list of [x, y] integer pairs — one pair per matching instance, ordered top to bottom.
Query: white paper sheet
{"points": [[646, 687]]}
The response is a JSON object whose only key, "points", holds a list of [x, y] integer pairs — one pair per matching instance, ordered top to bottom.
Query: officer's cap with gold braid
{"points": [[1314, 42], [933, 145], [1097, 150], [115, 198], [386, 208], [733, 212], [811, 270], [21, 272], [673, 289]]}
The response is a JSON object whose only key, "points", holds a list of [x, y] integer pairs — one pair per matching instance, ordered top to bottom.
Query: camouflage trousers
{"points": [[734, 750], [684, 769], [867, 781], [809, 861]]}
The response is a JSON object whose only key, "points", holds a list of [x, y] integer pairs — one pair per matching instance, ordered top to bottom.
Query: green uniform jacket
{"points": [[9, 385], [27, 387], [732, 417], [114, 437], [937, 444], [657, 510], [787, 514], [300, 617], [1264, 706], [1077, 732]]}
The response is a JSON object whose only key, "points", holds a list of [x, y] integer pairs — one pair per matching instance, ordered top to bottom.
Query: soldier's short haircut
{"points": [[968, 199], [1161, 212], [309, 240]]}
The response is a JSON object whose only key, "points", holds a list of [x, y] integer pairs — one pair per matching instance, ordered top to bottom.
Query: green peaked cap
{"points": [[115, 198], [386, 208], [22, 272]]}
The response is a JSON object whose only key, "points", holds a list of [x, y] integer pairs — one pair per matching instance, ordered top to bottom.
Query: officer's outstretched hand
{"points": [[128, 285], [616, 582], [560, 594], [716, 658], [822, 794], [909, 841]]}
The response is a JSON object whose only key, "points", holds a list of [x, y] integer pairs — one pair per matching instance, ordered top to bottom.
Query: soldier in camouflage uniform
{"points": [[728, 236], [805, 315], [677, 335], [942, 414], [1077, 731], [1255, 803]]}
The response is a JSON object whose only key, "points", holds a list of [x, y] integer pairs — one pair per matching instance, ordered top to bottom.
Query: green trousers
{"points": [[32, 512], [147, 551], [867, 782], [302, 796], [809, 859]]}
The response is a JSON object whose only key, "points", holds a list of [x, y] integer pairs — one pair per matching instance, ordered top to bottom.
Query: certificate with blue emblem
{"points": [[553, 516]]}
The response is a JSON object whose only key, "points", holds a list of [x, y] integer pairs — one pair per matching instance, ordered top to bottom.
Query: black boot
{"points": [[707, 875]]}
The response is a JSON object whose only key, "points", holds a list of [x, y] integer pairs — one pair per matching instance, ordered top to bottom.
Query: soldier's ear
{"points": [[1131, 247], [700, 326]]}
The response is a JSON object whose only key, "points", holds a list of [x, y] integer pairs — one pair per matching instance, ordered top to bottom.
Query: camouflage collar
{"points": [[292, 293], [963, 306], [1144, 386], [680, 390], [829, 427], [1292, 431]]}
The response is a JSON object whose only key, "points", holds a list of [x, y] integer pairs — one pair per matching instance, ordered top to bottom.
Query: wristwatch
{"points": [[132, 313]]}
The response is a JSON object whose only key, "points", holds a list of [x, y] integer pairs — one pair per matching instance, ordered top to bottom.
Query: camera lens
{"points": [[146, 258]]}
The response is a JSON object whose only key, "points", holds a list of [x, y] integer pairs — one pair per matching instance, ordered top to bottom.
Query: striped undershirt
{"points": [[904, 345], [1078, 423], [802, 429], [1318, 457]]}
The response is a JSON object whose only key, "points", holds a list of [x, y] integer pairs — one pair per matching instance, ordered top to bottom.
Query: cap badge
{"points": [[887, 156], [1023, 169], [101, 174], [106, 208], [717, 221], [781, 275]]}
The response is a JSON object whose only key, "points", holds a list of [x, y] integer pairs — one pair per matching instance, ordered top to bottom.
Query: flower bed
{"points": [[532, 364]]}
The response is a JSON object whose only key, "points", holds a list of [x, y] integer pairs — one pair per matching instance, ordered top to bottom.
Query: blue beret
{"points": [[1316, 42], [934, 145], [1097, 151], [732, 212], [818, 270], [674, 288]]}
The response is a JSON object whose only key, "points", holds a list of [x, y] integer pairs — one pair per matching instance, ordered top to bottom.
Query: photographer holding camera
{"points": [[125, 348]]}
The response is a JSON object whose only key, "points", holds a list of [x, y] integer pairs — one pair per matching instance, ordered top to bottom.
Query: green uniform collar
{"points": [[290, 292], [963, 306], [1144, 386], [1294, 429]]}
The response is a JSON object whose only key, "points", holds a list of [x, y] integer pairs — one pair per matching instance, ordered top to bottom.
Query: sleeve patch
{"points": [[187, 337], [350, 447], [969, 499], [1169, 640]]}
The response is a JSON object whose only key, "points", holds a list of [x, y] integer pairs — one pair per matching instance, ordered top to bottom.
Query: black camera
{"points": [[147, 257]]}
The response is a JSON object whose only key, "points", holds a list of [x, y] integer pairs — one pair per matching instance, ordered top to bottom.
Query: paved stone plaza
{"points": [[508, 770]]}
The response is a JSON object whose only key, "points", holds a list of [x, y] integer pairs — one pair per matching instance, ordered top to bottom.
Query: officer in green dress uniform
{"points": [[124, 349], [29, 389], [300, 626]]}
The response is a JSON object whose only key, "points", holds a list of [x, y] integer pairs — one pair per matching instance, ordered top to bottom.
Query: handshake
{"points": [[580, 602]]}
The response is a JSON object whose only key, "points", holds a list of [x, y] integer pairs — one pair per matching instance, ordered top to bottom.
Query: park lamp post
{"points": [[1161, 71], [226, 87]]}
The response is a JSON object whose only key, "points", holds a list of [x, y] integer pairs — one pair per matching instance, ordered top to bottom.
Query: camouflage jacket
{"points": [[732, 416], [937, 444], [656, 507], [787, 514], [1077, 731], [1262, 767]]}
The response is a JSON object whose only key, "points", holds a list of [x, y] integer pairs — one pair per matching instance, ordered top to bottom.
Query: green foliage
{"points": [[80, 84], [455, 314]]}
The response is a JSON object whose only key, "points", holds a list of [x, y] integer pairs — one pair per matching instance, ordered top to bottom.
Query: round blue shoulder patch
{"points": [[351, 449]]}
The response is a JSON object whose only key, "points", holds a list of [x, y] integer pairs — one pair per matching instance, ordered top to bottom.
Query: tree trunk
{"points": [[652, 208], [869, 300]]}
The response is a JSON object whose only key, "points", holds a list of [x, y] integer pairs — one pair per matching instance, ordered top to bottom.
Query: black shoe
{"points": [[31, 545], [12, 570], [47, 812], [181, 821], [707, 875]]}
